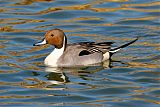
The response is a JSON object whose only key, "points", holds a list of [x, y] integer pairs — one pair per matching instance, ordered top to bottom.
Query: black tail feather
{"points": [[112, 51]]}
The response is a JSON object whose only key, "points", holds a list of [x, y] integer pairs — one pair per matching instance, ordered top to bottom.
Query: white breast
{"points": [[52, 58]]}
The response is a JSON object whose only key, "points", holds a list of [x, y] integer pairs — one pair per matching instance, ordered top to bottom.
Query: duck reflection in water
{"points": [[59, 75], [56, 76]]}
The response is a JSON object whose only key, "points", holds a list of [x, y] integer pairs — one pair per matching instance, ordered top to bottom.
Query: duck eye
{"points": [[52, 35]]}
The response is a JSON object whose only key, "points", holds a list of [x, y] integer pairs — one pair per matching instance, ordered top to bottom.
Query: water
{"points": [[130, 80]]}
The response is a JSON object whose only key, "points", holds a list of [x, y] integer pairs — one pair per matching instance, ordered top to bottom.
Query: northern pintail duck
{"points": [[76, 54]]}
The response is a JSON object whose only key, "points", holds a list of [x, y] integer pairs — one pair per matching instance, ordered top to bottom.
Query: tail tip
{"points": [[125, 45]]}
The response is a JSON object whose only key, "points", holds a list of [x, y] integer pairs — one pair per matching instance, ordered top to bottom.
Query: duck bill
{"points": [[43, 42]]}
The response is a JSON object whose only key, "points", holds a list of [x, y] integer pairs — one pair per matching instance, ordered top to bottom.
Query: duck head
{"points": [[54, 37]]}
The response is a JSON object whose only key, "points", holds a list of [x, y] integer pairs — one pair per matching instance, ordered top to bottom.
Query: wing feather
{"points": [[93, 47]]}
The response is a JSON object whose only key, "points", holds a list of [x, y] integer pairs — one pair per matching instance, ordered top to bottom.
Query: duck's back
{"points": [[74, 56]]}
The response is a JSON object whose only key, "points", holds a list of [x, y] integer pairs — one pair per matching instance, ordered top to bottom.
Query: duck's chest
{"points": [[53, 57]]}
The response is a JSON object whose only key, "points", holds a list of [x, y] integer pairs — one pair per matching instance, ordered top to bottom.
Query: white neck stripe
{"points": [[52, 58]]}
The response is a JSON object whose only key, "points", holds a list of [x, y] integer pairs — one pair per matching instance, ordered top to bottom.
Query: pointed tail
{"points": [[112, 51]]}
